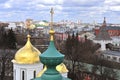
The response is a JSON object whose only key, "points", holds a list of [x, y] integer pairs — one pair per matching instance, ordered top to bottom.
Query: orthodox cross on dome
{"points": [[51, 23], [52, 32]]}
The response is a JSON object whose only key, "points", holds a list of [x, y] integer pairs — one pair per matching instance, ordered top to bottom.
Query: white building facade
{"points": [[26, 71]]}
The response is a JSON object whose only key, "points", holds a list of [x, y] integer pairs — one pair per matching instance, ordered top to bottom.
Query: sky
{"points": [[83, 10]]}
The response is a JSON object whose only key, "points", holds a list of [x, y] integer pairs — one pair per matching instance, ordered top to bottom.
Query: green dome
{"points": [[51, 51], [51, 55], [51, 58]]}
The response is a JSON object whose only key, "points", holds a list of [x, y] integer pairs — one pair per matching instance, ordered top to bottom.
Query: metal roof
{"points": [[103, 34], [114, 53]]}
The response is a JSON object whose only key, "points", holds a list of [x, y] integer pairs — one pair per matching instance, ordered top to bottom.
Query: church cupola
{"points": [[27, 54], [51, 58], [26, 64]]}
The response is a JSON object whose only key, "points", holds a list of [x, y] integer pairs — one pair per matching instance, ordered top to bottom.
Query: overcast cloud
{"points": [[84, 10]]}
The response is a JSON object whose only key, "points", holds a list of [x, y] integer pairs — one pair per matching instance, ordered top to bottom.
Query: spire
{"points": [[51, 12], [104, 22], [51, 32], [103, 34], [28, 38], [51, 58]]}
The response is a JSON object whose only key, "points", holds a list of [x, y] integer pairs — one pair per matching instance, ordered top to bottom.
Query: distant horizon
{"points": [[84, 10], [59, 21]]}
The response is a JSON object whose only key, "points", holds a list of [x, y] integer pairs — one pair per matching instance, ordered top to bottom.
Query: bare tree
{"points": [[76, 52], [5, 55]]}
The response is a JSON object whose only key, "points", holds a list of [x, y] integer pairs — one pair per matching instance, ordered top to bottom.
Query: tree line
{"points": [[7, 39], [7, 48]]}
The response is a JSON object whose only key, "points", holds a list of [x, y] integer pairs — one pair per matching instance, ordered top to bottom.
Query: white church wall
{"points": [[28, 70]]}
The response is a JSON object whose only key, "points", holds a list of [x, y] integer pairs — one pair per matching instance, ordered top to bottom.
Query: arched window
{"points": [[34, 74], [23, 75]]}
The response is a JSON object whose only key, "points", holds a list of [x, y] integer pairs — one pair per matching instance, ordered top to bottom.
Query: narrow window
{"points": [[34, 74], [23, 75]]}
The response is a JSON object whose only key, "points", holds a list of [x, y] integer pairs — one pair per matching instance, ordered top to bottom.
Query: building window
{"points": [[108, 57], [114, 58], [119, 59], [34, 74], [23, 75]]}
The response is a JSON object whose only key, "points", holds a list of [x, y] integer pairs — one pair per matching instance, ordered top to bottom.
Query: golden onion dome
{"points": [[27, 54], [60, 68]]}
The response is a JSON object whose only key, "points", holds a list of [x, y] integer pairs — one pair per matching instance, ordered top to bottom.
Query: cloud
{"points": [[3, 1], [46, 2], [112, 2], [84, 3], [6, 5], [113, 5], [115, 8], [87, 10]]}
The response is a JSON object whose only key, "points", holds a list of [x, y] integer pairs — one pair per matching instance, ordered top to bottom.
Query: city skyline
{"points": [[84, 10]]}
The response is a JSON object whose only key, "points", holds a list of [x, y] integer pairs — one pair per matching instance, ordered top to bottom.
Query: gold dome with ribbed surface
{"points": [[27, 54]]}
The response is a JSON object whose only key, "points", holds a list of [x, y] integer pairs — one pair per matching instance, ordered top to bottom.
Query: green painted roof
{"points": [[51, 51]]}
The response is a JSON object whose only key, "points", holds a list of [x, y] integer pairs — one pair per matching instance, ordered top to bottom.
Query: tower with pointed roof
{"points": [[104, 22], [103, 37], [51, 58], [26, 63]]}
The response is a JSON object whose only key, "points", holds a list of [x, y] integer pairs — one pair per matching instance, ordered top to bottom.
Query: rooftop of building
{"points": [[114, 53]]}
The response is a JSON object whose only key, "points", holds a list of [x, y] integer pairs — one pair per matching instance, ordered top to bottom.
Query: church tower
{"points": [[103, 37], [51, 58], [26, 63]]}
